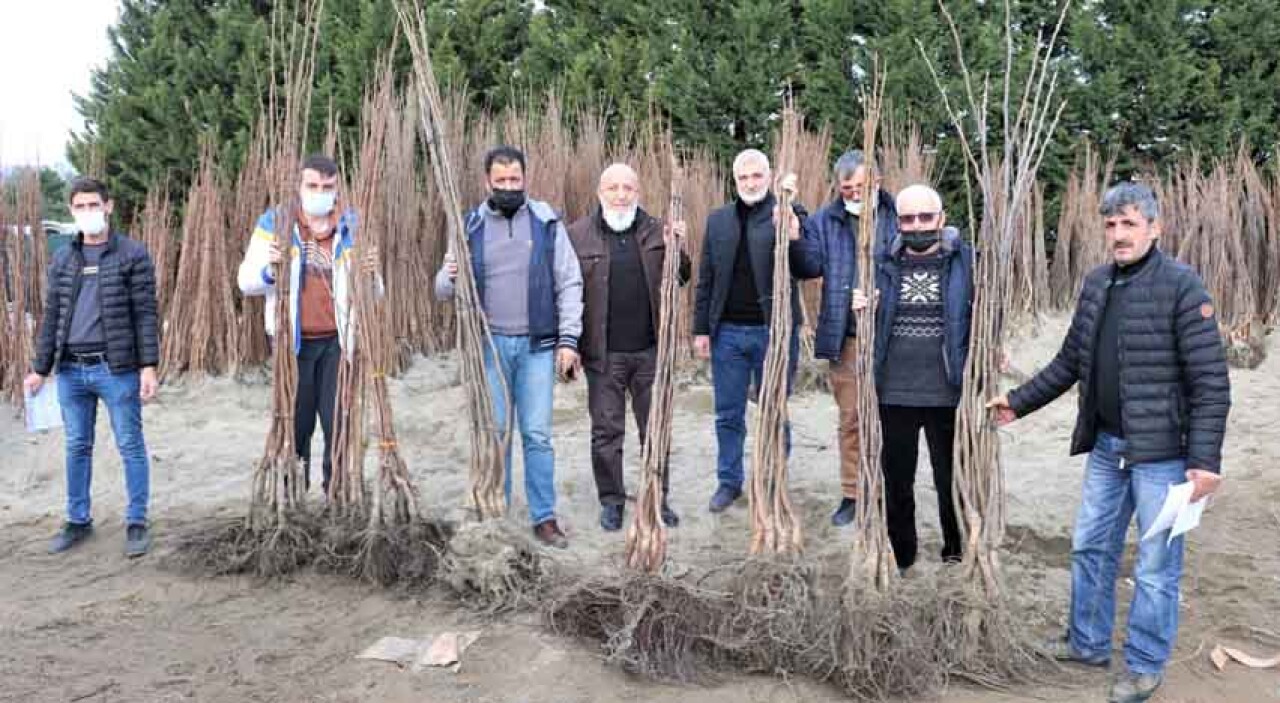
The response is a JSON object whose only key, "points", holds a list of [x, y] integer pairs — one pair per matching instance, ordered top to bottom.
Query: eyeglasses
{"points": [[924, 218]]}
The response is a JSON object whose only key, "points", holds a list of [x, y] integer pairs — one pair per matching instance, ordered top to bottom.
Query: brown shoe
{"points": [[548, 533]]}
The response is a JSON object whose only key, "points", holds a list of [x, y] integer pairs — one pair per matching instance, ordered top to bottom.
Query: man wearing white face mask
{"points": [[323, 244], [622, 250], [829, 251], [101, 334]]}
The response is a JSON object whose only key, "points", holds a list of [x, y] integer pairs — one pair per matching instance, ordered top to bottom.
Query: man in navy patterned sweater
{"points": [[925, 282]]}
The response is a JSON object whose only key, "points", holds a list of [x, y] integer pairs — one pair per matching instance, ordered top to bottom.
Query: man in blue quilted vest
{"points": [[530, 287]]}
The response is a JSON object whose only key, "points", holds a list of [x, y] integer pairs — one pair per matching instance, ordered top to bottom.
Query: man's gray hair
{"points": [[750, 155], [849, 163], [1122, 195]]}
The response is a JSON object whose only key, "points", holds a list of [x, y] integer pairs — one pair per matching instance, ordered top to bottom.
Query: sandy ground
{"points": [[93, 626]]}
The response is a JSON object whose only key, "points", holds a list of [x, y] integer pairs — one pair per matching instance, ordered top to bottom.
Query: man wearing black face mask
{"points": [[925, 282], [530, 287]]}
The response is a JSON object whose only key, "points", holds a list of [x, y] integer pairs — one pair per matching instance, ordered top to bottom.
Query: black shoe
{"points": [[723, 498], [845, 513], [669, 517], [611, 518], [72, 533], [137, 540], [1060, 649], [1134, 688]]}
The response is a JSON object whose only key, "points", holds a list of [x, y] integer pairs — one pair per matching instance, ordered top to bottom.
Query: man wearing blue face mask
{"points": [[323, 245], [530, 287]]}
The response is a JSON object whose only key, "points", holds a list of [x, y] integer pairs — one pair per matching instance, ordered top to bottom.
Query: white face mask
{"points": [[318, 204], [853, 207], [620, 220], [91, 222]]}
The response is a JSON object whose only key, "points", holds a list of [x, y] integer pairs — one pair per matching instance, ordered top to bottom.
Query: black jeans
{"points": [[625, 373], [317, 396], [901, 427]]}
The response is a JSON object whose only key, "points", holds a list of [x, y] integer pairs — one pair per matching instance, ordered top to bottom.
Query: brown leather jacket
{"points": [[588, 240]]}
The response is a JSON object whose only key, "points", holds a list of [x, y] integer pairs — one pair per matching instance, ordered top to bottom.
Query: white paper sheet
{"points": [[42, 409], [1178, 514]]}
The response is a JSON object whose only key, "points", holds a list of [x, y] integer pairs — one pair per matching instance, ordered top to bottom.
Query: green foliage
{"points": [[1155, 81]]}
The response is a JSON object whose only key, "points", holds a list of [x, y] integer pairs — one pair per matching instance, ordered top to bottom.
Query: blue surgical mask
{"points": [[318, 204]]}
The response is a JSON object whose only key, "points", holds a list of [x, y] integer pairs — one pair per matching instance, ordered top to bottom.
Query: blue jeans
{"points": [[737, 359], [530, 377], [79, 388], [1113, 491]]}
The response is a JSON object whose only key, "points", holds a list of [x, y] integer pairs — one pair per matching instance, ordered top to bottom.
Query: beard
{"points": [[752, 198], [619, 220]]}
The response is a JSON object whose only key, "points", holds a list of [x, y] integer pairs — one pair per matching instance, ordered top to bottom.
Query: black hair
{"points": [[504, 154], [321, 164], [85, 184]]}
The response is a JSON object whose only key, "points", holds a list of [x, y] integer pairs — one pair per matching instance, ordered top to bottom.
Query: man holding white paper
{"points": [[101, 334], [1145, 351]]}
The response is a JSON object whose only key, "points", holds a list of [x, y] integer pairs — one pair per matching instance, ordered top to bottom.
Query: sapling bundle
{"points": [[903, 157], [1005, 180], [251, 195], [155, 229], [22, 239], [1080, 246], [36, 259], [199, 332], [488, 440], [278, 481], [775, 528], [278, 536], [646, 539], [872, 564]]}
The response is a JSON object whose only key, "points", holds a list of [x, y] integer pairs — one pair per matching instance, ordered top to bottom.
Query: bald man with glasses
{"points": [[925, 282]]}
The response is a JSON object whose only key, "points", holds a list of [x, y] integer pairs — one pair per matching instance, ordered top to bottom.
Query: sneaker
{"points": [[723, 498], [845, 513], [669, 517], [611, 518], [548, 533], [70, 535], [137, 540], [1060, 649], [1134, 688]]}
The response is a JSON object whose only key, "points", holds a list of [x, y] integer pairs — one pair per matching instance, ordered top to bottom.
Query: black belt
{"points": [[98, 357]]}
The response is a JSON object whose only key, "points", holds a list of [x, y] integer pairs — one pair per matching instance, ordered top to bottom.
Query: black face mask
{"points": [[507, 202], [919, 241]]}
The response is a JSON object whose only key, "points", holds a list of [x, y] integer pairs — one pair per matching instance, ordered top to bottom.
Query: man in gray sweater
{"points": [[530, 287]]}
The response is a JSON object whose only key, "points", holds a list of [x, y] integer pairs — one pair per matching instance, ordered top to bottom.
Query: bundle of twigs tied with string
{"points": [[488, 441], [775, 528], [277, 537], [646, 540], [393, 544], [873, 563]]}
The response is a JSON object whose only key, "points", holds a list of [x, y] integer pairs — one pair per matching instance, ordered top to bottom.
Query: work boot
{"points": [[723, 498], [845, 513], [669, 517], [611, 518], [548, 533], [71, 534], [137, 540], [1060, 649], [1134, 688]]}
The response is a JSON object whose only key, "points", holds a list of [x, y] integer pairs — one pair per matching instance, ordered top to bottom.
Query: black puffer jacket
{"points": [[127, 291], [1174, 387]]}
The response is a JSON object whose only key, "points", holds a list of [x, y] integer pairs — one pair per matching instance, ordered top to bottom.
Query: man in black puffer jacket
{"points": [[101, 334], [1145, 351]]}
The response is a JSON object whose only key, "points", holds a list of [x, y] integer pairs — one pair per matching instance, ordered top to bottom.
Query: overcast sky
{"points": [[47, 48]]}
